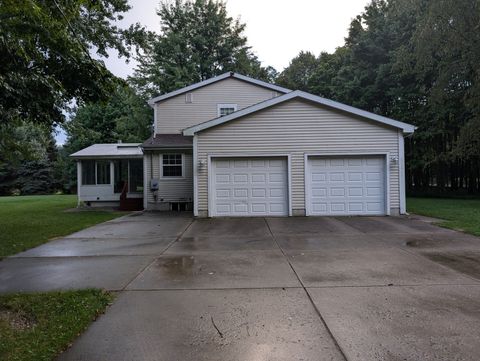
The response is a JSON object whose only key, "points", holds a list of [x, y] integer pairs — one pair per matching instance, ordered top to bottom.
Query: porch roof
{"points": [[117, 150]]}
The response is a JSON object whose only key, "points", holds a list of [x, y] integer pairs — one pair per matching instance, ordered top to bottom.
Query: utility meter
{"points": [[154, 184]]}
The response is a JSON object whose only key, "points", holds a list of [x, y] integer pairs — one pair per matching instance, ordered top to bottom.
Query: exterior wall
{"points": [[173, 115], [297, 128], [170, 190]]}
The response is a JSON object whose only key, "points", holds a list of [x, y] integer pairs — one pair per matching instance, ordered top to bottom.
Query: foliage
{"points": [[198, 41], [45, 61], [415, 61], [299, 73], [125, 117], [25, 149], [36, 177], [460, 214], [29, 221], [38, 326]]}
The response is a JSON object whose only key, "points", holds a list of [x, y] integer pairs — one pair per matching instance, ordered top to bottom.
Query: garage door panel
{"points": [[319, 177], [336, 177], [240, 178], [346, 185], [250, 186], [240, 193]]}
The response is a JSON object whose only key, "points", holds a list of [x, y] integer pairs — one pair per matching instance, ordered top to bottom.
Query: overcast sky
{"points": [[277, 30]]}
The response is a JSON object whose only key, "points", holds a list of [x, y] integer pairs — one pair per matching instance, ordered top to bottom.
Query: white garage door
{"points": [[346, 185], [249, 187]]}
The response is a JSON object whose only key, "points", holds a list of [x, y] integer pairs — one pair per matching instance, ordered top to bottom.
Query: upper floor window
{"points": [[225, 109], [172, 165]]}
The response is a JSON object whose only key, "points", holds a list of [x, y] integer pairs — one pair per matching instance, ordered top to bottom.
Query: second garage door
{"points": [[346, 185], [249, 187]]}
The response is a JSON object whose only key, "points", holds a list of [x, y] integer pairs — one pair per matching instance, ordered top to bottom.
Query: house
{"points": [[237, 146]]}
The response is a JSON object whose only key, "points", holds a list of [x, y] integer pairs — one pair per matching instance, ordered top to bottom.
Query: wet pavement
{"points": [[332, 288]]}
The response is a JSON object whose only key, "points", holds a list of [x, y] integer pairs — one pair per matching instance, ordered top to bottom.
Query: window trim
{"points": [[226, 105], [172, 177]]}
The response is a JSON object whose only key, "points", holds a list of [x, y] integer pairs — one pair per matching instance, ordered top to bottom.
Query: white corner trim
{"points": [[406, 128], [401, 171], [195, 176], [146, 180], [289, 180], [79, 181], [306, 185], [387, 185], [210, 202]]}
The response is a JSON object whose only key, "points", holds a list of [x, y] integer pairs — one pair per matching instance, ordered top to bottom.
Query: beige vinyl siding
{"points": [[173, 115], [297, 128], [170, 190]]}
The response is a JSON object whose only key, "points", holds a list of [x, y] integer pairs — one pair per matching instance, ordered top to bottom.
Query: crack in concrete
{"points": [[337, 345]]}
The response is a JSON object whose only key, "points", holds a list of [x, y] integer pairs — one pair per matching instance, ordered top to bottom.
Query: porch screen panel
{"points": [[120, 168], [88, 172], [103, 172], [136, 176]]}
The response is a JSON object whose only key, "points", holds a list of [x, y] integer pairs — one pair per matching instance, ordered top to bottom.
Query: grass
{"points": [[460, 214], [29, 221], [36, 327]]}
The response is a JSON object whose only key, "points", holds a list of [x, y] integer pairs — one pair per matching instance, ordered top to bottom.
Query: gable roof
{"points": [[189, 88], [406, 128], [117, 150]]}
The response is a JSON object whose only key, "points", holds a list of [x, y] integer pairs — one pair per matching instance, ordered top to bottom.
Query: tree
{"points": [[198, 41], [45, 60], [416, 61], [298, 74], [124, 117], [25, 149]]}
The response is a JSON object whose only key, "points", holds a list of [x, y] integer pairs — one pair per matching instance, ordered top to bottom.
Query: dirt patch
{"points": [[464, 262], [16, 320]]}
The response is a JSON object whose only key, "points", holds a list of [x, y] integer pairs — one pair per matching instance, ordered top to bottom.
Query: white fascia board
{"points": [[186, 89], [406, 128]]}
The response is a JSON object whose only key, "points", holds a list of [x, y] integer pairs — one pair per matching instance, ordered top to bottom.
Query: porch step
{"points": [[131, 204]]}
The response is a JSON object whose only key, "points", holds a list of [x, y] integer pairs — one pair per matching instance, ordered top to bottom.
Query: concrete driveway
{"points": [[267, 289]]}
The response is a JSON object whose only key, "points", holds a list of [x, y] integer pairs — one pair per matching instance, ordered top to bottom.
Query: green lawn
{"points": [[462, 214], [29, 221], [36, 327]]}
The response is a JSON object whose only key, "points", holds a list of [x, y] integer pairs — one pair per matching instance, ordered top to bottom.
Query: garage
{"points": [[346, 185], [253, 186]]}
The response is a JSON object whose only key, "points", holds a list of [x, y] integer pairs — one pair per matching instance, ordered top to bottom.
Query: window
{"points": [[225, 109], [172, 165], [88, 172], [95, 172], [103, 172]]}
